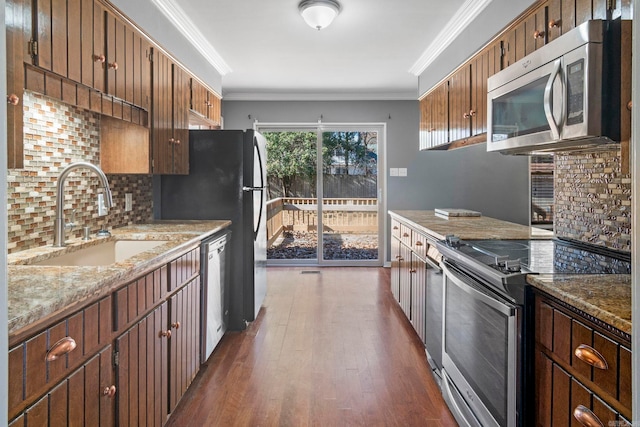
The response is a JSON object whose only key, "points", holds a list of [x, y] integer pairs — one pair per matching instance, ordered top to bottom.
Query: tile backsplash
{"points": [[55, 135], [593, 199]]}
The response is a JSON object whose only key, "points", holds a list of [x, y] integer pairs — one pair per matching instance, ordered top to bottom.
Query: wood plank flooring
{"points": [[329, 348]]}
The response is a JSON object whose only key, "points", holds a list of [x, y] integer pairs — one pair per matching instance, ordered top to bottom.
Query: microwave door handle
{"points": [[548, 92]]}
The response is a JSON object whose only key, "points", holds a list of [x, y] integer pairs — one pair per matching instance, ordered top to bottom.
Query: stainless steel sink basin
{"points": [[103, 254]]}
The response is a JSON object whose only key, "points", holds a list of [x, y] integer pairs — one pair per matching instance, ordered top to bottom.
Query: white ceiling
{"points": [[272, 54]]}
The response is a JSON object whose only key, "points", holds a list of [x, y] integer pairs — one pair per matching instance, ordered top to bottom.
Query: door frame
{"points": [[320, 127]]}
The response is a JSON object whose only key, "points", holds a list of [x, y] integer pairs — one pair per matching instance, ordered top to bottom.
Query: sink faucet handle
{"points": [[71, 224]]}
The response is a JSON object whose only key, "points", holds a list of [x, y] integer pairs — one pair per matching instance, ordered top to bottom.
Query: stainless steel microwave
{"points": [[561, 97]]}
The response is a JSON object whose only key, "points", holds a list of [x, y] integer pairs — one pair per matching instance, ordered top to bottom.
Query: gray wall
{"points": [[488, 23], [160, 29], [496, 185]]}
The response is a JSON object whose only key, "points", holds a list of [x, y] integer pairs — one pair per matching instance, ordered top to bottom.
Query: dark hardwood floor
{"points": [[328, 349]]}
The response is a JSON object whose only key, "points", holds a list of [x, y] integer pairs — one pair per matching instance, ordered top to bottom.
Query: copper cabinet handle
{"points": [[554, 24], [537, 34], [99, 58], [113, 65], [13, 99], [629, 105], [472, 113], [466, 116], [171, 140], [177, 142], [395, 227], [405, 235], [418, 243], [397, 256], [400, 259], [412, 271], [175, 325], [164, 334], [62, 347], [591, 356], [110, 392], [586, 417]]}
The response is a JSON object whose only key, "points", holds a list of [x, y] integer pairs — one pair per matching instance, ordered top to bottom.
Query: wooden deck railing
{"points": [[355, 215]]}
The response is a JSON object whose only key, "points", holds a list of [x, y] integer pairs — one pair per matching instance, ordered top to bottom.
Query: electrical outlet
{"points": [[128, 202], [102, 209]]}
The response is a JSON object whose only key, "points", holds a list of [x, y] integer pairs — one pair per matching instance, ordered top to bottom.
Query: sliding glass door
{"points": [[324, 205]]}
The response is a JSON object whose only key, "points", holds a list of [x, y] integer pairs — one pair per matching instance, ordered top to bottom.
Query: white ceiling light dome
{"points": [[319, 14]]}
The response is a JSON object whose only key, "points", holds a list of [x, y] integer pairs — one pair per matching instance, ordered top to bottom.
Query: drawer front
{"points": [[395, 228], [405, 234], [419, 244], [182, 269], [138, 297], [593, 358], [31, 374]]}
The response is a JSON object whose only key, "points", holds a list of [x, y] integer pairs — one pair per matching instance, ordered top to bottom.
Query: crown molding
{"points": [[462, 18], [181, 21], [320, 96]]}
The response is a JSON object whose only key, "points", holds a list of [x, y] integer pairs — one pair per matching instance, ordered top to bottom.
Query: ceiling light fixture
{"points": [[319, 14]]}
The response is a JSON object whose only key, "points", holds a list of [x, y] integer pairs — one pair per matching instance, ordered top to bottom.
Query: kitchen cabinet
{"points": [[205, 106], [434, 117], [170, 122], [412, 277], [75, 340], [159, 355], [582, 367]]}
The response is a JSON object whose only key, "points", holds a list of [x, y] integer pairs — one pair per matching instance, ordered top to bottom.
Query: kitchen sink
{"points": [[102, 254]]}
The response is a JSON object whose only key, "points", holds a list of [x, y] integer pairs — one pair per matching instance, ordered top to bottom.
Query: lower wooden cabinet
{"points": [[582, 368], [84, 398]]}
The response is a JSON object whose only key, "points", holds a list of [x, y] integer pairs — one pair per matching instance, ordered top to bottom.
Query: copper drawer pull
{"points": [[554, 23], [537, 34], [99, 58], [113, 65], [14, 100], [629, 105], [395, 227], [405, 235], [418, 243], [412, 271], [175, 325], [166, 334], [62, 347], [591, 356], [110, 392], [586, 417]]}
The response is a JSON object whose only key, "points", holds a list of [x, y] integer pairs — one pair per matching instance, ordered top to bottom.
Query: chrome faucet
{"points": [[59, 229]]}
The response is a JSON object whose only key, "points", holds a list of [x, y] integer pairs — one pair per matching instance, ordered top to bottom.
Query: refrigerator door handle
{"points": [[245, 188]]}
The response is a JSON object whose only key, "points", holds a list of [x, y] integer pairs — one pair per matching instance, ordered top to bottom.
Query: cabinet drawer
{"points": [[395, 228], [405, 234], [419, 244], [182, 269], [138, 297], [73, 339], [597, 360]]}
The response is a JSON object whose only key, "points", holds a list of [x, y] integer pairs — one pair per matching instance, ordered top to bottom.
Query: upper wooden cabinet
{"points": [[205, 104], [434, 117], [170, 121]]}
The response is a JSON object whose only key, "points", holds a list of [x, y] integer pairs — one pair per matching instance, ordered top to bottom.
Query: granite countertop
{"points": [[469, 228], [36, 291], [607, 297]]}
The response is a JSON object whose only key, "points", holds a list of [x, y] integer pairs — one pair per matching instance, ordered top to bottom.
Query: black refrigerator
{"points": [[227, 179]]}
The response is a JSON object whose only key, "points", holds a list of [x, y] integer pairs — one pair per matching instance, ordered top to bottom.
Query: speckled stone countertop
{"points": [[469, 228], [36, 291], [606, 297]]}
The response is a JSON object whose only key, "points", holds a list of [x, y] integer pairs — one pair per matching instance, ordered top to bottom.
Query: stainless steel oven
{"points": [[481, 350]]}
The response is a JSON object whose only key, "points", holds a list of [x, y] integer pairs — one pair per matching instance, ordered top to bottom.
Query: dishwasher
{"points": [[215, 311]]}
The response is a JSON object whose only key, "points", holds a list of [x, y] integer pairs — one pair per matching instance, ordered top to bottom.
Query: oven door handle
{"points": [[504, 308]]}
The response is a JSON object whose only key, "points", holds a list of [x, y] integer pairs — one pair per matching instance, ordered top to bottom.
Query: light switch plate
{"points": [[393, 171], [402, 172], [128, 202]]}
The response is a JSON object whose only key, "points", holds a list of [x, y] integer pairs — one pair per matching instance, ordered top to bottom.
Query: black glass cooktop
{"points": [[550, 256]]}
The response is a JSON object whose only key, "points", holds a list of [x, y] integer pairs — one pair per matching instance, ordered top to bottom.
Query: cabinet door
{"points": [[555, 21], [535, 30], [18, 33], [116, 56], [479, 76], [199, 100], [181, 101], [459, 104], [215, 109], [440, 115], [425, 122], [161, 130], [395, 268], [405, 280], [418, 296], [185, 340], [142, 371], [84, 398]]}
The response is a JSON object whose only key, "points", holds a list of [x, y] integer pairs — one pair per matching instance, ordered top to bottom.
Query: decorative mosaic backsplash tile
{"points": [[56, 134], [593, 199]]}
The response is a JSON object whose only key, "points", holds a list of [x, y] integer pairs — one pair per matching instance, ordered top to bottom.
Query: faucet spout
{"points": [[59, 236]]}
